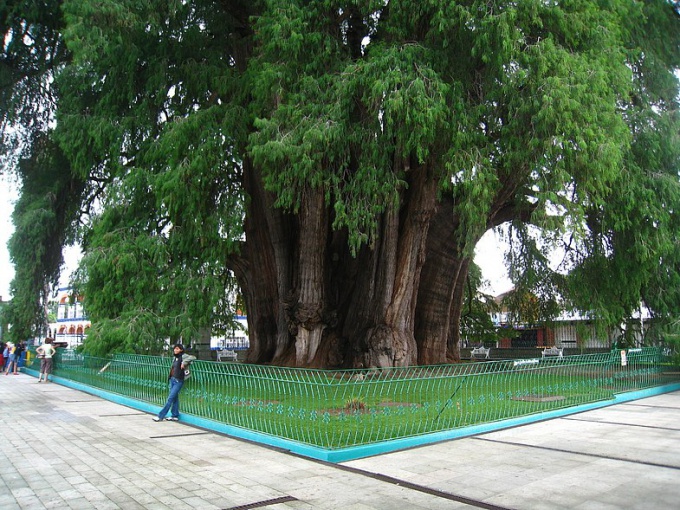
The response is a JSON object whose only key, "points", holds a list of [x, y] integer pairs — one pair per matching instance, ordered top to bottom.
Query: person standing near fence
{"points": [[7, 352], [45, 353], [15, 358], [179, 371]]}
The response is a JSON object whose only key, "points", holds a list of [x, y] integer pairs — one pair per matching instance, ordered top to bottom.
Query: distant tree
{"points": [[341, 160], [43, 218], [476, 324]]}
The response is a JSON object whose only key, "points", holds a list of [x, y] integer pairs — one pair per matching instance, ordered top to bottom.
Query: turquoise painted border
{"points": [[369, 450]]}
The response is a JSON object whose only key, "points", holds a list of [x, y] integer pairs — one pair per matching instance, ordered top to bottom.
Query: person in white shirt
{"points": [[45, 353]]}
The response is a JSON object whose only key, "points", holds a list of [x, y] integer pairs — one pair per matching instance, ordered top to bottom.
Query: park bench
{"points": [[553, 352], [480, 353], [228, 354]]}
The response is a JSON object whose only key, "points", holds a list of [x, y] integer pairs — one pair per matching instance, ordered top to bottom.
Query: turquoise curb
{"points": [[369, 450]]}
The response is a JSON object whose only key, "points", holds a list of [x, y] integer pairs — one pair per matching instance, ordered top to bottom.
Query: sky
{"points": [[8, 194], [488, 253]]}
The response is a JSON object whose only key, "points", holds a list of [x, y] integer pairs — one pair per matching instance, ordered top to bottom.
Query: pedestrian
{"points": [[7, 353], [45, 353], [3, 355], [15, 358], [178, 373]]}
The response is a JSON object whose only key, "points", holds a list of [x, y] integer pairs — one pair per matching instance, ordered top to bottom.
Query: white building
{"points": [[72, 322], [569, 330], [236, 339]]}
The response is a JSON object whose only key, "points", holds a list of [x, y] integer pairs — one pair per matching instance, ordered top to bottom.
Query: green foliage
{"points": [[32, 52], [316, 138], [620, 248], [629, 254], [156, 255], [538, 287], [138, 297], [476, 324], [670, 340]]}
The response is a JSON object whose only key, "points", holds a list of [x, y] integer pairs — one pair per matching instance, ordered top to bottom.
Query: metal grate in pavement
{"points": [[267, 502]]}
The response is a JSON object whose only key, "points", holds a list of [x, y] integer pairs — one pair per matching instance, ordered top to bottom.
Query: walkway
{"points": [[65, 449]]}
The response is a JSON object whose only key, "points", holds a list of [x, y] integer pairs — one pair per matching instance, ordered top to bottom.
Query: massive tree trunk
{"points": [[441, 271], [264, 272], [442, 287], [457, 301], [312, 303], [396, 303], [307, 304], [390, 339]]}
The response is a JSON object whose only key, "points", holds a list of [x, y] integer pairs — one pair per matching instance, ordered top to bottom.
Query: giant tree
{"points": [[342, 159]]}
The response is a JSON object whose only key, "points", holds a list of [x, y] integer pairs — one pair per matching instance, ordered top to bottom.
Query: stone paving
{"points": [[65, 449]]}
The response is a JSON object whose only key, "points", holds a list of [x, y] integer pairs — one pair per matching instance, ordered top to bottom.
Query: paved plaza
{"points": [[65, 449]]}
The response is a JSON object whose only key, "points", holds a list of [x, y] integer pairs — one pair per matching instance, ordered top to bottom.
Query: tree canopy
{"points": [[337, 161]]}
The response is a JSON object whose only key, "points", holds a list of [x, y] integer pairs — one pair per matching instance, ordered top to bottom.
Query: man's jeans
{"points": [[172, 404]]}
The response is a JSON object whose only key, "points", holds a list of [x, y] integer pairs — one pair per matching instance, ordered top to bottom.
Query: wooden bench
{"points": [[553, 352], [480, 353], [228, 354]]}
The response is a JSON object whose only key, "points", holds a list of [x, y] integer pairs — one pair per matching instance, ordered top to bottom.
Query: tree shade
{"points": [[336, 162]]}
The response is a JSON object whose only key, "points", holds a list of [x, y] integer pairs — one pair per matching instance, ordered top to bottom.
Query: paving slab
{"points": [[65, 449], [622, 456]]}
